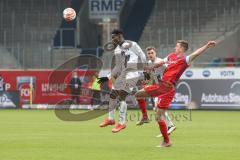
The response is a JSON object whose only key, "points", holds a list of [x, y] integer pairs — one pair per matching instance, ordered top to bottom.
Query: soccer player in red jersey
{"points": [[176, 63], [155, 76]]}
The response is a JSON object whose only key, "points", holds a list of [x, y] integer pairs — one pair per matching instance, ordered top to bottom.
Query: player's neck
{"points": [[120, 44], [153, 60]]}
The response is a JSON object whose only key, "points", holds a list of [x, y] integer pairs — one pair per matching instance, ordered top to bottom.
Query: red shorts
{"points": [[156, 90], [164, 91], [165, 100]]}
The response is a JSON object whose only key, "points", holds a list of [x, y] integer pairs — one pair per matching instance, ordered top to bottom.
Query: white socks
{"points": [[112, 106], [122, 112], [168, 120]]}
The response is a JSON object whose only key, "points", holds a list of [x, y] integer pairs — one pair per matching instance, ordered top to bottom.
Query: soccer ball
{"points": [[69, 14]]}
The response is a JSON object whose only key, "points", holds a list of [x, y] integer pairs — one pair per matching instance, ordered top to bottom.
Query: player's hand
{"points": [[127, 44], [211, 44], [148, 69], [146, 75], [115, 77], [102, 80], [144, 82]]}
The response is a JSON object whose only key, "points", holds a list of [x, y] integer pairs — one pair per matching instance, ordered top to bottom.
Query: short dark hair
{"points": [[117, 31], [183, 43], [151, 48]]}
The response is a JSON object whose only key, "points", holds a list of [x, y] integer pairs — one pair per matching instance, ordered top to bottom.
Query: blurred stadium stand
{"points": [[195, 21], [27, 29], [131, 30], [33, 34], [65, 36], [7, 60]]}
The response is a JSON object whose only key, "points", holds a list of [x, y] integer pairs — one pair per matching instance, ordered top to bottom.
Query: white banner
{"points": [[212, 73]]}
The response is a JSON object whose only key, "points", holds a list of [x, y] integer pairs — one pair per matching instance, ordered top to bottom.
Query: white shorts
{"points": [[126, 81]]}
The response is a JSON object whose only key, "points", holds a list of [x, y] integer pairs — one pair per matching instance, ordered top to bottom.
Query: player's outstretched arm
{"points": [[201, 50], [141, 55], [158, 64]]}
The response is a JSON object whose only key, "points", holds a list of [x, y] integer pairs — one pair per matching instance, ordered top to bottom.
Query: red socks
{"points": [[142, 106], [163, 128]]}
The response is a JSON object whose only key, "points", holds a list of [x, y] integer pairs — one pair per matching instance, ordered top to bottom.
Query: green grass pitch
{"points": [[40, 135]]}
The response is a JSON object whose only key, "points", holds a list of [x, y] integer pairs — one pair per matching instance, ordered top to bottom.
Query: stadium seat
{"points": [[229, 61]]}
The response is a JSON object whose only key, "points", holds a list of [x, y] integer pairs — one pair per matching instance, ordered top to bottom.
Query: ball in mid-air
{"points": [[69, 14]]}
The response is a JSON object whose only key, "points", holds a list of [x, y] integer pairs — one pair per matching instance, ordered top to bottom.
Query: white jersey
{"points": [[126, 60], [126, 66], [157, 72]]}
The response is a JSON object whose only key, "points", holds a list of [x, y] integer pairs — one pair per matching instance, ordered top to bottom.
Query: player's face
{"points": [[116, 39], [179, 49], [151, 55], [74, 74]]}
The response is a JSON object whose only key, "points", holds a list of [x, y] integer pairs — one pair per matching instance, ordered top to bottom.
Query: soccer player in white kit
{"points": [[128, 57], [155, 76]]}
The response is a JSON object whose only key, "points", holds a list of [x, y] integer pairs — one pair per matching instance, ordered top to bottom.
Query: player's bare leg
{"points": [[160, 118]]}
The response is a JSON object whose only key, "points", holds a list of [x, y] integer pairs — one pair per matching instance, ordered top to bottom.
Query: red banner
{"points": [[48, 87]]}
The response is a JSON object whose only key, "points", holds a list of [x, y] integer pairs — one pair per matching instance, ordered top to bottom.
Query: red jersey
{"points": [[175, 66]]}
